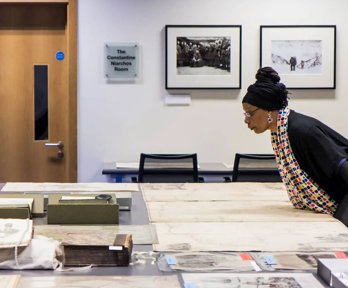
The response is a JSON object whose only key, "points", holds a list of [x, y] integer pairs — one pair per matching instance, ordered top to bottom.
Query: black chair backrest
{"points": [[168, 168], [255, 168]]}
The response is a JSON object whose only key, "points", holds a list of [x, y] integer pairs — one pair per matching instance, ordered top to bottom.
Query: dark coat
{"points": [[319, 150]]}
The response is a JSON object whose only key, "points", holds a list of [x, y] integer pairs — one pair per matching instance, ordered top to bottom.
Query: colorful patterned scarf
{"points": [[303, 192]]}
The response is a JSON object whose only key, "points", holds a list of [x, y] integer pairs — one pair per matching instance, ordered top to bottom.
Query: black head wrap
{"points": [[267, 93]]}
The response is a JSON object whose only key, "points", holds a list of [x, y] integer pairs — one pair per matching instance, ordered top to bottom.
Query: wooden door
{"points": [[37, 91]]}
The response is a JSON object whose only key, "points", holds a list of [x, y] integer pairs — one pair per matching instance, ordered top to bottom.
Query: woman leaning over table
{"points": [[311, 157]]}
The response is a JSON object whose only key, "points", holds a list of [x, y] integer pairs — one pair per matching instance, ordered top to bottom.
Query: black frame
{"points": [[308, 81], [236, 83]]}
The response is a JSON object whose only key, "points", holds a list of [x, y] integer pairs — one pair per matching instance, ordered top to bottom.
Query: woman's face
{"points": [[256, 118]]}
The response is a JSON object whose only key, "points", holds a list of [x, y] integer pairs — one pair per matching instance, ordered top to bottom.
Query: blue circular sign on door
{"points": [[59, 55]]}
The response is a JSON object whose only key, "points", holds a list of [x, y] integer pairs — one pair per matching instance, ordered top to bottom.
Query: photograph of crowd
{"points": [[203, 55], [297, 56]]}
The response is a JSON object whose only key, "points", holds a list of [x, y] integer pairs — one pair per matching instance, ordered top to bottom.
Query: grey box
{"points": [[124, 200], [327, 267], [340, 280]]}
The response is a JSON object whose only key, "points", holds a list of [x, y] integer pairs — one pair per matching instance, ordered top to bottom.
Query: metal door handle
{"points": [[59, 145]]}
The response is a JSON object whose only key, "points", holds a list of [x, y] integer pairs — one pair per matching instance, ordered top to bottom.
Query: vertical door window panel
{"points": [[41, 101]]}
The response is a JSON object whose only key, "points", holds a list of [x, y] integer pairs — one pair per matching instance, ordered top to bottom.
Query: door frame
{"points": [[71, 30], [72, 109]]}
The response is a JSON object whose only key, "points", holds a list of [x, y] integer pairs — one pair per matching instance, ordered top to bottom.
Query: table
{"points": [[249, 171], [211, 172], [177, 193], [137, 216]]}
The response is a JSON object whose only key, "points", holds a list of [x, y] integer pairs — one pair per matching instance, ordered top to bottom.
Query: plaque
{"points": [[121, 61]]}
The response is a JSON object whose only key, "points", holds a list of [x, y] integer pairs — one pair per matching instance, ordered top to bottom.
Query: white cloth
{"points": [[42, 253]]}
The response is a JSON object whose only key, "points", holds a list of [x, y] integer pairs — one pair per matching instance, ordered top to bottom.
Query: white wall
{"points": [[116, 122]]}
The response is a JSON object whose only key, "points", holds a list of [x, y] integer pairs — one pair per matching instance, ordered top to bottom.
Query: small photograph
{"points": [[203, 55], [297, 56]]}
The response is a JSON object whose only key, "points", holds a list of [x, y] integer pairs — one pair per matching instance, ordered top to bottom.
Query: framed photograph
{"points": [[304, 56], [203, 57]]}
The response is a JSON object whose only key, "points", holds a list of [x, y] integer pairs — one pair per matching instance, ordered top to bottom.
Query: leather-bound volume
{"points": [[81, 253]]}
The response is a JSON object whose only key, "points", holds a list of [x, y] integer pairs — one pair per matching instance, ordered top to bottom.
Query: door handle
{"points": [[59, 145]]}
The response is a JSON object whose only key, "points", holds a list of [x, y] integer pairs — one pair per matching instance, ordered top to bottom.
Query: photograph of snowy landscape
{"points": [[296, 56]]}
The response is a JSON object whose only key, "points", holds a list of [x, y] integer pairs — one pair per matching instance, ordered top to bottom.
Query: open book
{"points": [[15, 232]]}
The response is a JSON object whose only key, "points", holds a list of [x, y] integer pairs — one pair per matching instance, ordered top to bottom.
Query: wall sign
{"points": [[60, 56], [121, 61]]}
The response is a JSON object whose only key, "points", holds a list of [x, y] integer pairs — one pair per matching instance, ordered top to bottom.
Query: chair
{"points": [[168, 168], [255, 168]]}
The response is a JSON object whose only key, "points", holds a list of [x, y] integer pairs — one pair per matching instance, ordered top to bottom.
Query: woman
{"points": [[311, 157]]}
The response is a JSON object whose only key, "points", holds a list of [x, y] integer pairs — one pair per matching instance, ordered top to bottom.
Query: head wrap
{"points": [[267, 93]]}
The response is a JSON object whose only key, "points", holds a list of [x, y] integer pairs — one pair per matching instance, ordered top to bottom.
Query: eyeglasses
{"points": [[251, 113]]}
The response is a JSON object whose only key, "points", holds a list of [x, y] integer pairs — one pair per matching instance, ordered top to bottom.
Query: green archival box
{"points": [[14, 207], [37, 209], [81, 211], [15, 212]]}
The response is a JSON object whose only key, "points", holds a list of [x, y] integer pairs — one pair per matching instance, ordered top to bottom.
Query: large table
{"points": [[235, 224]]}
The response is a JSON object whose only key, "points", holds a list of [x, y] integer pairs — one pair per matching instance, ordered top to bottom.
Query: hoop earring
{"points": [[269, 118]]}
